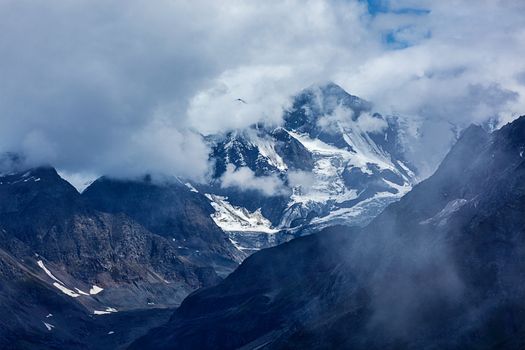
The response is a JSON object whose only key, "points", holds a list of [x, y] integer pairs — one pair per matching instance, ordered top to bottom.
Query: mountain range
{"points": [[316, 233], [128, 248], [68, 259], [442, 268]]}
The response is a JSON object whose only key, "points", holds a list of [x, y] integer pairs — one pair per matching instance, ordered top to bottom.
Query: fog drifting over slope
{"points": [[97, 87]]}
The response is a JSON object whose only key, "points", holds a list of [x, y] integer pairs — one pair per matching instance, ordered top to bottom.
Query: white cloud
{"points": [[113, 87], [241, 97], [343, 117], [371, 124], [244, 179], [79, 180], [304, 180]]}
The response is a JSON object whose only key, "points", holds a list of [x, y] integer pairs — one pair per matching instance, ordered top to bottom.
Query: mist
{"points": [[93, 87]]}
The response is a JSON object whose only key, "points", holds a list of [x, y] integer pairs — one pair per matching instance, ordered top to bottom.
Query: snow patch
{"points": [[267, 150], [406, 169], [190, 186], [366, 209], [232, 218], [441, 218], [43, 267], [59, 284], [65, 290], [95, 290], [81, 292], [108, 310], [98, 312]]}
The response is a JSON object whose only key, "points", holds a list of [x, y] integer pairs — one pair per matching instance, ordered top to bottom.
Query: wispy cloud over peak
{"points": [[100, 87]]}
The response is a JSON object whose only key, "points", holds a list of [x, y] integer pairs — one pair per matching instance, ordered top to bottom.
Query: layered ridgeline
{"points": [[332, 161], [69, 260], [88, 264], [443, 268]]}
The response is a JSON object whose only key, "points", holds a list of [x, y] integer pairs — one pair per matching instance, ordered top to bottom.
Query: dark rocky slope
{"points": [[171, 210], [83, 258], [443, 268]]}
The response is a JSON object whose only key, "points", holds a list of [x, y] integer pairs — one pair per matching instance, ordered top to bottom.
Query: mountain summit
{"points": [[332, 161]]}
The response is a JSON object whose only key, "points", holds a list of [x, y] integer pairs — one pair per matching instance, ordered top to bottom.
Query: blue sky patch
{"points": [[376, 7]]}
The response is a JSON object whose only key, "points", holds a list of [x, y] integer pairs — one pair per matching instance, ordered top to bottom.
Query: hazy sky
{"points": [[123, 87]]}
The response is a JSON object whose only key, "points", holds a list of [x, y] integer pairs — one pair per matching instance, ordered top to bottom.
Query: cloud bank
{"points": [[122, 88], [244, 179]]}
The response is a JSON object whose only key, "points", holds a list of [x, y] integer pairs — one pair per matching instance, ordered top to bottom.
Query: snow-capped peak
{"points": [[336, 158]]}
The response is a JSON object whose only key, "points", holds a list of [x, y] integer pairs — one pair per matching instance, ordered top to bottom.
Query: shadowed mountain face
{"points": [[170, 210], [120, 246], [443, 268], [36, 315]]}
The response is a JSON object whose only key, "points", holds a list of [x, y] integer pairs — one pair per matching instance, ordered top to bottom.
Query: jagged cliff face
{"points": [[333, 160], [120, 246], [441, 268]]}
